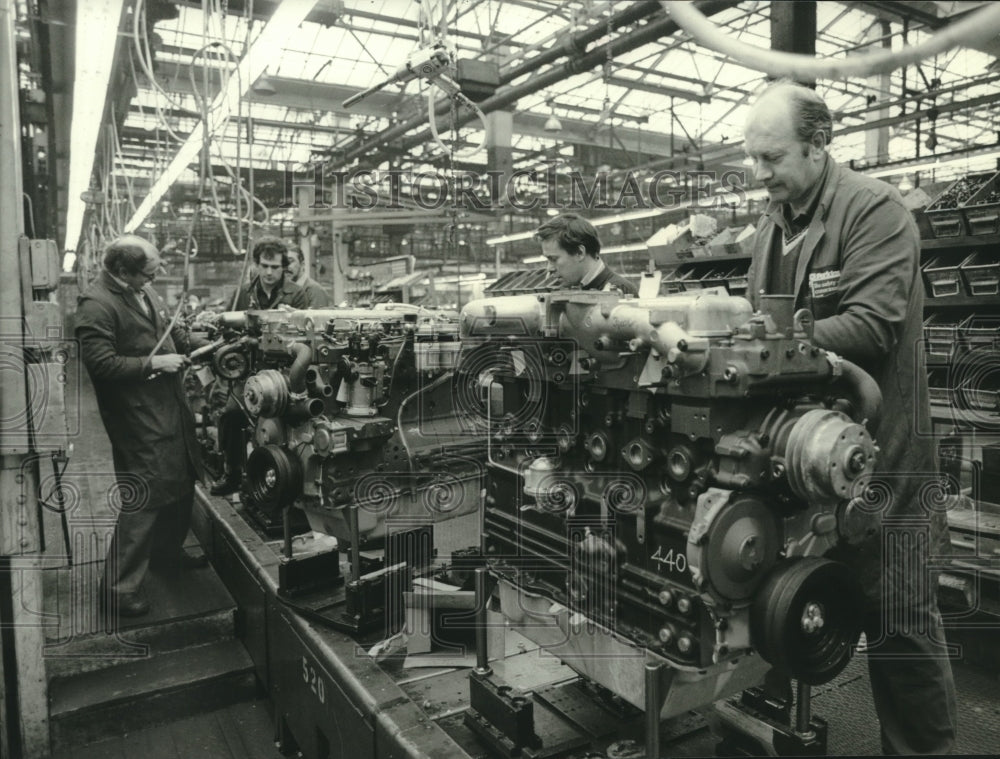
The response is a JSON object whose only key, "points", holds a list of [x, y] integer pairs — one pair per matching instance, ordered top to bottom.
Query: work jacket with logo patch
{"points": [[858, 272]]}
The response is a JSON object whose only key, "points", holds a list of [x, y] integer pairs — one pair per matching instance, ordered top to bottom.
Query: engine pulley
{"points": [[231, 362], [266, 393], [825, 453], [274, 477], [733, 542], [806, 618]]}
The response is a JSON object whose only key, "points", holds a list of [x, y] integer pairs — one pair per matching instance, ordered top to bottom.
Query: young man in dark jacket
{"points": [[571, 244], [846, 248], [268, 289], [120, 319]]}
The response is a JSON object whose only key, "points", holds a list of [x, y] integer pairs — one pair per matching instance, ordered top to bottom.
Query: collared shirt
{"points": [[797, 216], [791, 226], [593, 274], [284, 293], [139, 295], [266, 300]]}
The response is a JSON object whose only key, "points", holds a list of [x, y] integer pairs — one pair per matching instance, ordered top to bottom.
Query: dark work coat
{"points": [[858, 271], [609, 280], [290, 294], [316, 294], [148, 420]]}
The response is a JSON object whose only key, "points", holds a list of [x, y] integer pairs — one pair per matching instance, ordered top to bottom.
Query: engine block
{"points": [[350, 407], [664, 476]]}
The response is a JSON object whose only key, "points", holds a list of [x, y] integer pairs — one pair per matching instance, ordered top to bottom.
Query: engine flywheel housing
{"points": [[806, 618]]}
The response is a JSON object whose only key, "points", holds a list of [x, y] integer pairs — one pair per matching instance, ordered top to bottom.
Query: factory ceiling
{"points": [[590, 86]]}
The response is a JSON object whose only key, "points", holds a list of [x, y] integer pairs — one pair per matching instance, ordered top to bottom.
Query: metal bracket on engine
{"points": [[804, 322], [836, 364]]}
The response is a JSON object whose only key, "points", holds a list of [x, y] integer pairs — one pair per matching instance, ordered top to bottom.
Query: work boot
{"points": [[226, 485], [180, 562], [124, 604]]}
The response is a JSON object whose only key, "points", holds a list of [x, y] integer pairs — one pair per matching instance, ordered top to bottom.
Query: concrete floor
{"points": [[241, 731]]}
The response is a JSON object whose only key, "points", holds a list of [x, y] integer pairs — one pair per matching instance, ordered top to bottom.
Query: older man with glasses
{"points": [[136, 366]]}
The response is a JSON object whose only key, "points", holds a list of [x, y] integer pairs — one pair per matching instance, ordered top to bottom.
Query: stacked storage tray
{"points": [[982, 211], [947, 213], [980, 273], [716, 277], [942, 277], [524, 281], [673, 282], [738, 283], [980, 332], [941, 335], [974, 369], [937, 387], [976, 396]]}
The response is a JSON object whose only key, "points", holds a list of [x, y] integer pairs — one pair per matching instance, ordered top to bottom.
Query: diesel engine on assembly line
{"points": [[347, 407], [664, 478]]}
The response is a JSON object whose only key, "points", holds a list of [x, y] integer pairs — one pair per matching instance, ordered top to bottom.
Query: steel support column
{"points": [[793, 29], [877, 139], [340, 263], [24, 707]]}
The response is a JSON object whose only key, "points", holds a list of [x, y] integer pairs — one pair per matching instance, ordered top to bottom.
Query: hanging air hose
{"points": [[980, 27]]}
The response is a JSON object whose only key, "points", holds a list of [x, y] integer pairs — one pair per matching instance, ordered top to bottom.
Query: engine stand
{"points": [[305, 573], [377, 599], [502, 717], [755, 724]]}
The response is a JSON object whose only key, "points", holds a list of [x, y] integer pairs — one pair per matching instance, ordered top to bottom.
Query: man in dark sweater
{"points": [[571, 244], [269, 289], [316, 294]]}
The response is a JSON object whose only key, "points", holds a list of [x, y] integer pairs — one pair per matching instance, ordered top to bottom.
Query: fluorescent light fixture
{"points": [[96, 39], [263, 51], [932, 162], [892, 171], [761, 193], [641, 213], [601, 221], [510, 238], [624, 248], [531, 260], [460, 278]]}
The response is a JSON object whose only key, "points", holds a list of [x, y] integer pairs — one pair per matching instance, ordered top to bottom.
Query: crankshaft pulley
{"points": [[805, 620]]}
